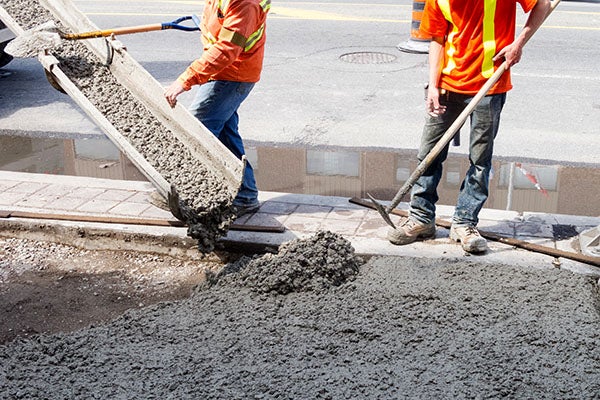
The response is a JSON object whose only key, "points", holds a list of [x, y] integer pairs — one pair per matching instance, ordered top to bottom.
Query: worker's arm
{"points": [[239, 23], [512, 53], [436, 59]]}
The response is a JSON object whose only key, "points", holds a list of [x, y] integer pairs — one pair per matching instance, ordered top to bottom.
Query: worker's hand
{"points": [[511, 54], [172, 92], [432, 104]]}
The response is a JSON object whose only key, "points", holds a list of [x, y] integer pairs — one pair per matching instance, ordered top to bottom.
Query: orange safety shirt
{"points": [[475, 30], [233, 37]]}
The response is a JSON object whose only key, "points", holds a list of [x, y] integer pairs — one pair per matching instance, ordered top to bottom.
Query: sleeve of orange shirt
{"points": [[527, 5], [241, 17], [433, 22]]}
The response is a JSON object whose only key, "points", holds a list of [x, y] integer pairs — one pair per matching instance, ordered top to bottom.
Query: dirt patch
{"points": [[49, 288]]}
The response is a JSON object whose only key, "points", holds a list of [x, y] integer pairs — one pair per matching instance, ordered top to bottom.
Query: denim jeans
{"points": [[215, 105], [485, 121]]}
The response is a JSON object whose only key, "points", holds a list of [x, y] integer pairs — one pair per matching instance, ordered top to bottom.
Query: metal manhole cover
{"points": [[368, 57]]}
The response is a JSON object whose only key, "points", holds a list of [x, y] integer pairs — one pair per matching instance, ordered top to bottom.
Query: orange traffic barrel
{"points": [[418, 41]]}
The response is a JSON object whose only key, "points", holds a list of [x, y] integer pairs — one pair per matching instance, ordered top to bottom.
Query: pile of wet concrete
{"points": [[205, 200], [314, 264], [324, 326]]}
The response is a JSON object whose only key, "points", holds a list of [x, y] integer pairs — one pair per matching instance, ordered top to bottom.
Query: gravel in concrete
{"points": [[399, 328]]}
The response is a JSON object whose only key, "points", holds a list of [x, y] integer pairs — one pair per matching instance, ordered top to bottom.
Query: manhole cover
{"points": [[368, 57]]}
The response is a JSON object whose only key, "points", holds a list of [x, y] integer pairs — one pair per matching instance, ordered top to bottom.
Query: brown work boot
{"points": [[409, 231], [469, 238]]}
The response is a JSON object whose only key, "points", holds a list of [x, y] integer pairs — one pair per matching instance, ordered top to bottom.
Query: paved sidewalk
{"points": [[301, 215]]}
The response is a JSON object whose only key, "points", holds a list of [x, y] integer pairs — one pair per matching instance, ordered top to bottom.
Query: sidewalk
{"points": [[76, 198]]}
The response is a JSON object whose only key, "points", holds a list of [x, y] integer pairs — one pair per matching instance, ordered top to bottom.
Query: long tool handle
{"points": [[176, 24], [115, 31], [445, 139]]}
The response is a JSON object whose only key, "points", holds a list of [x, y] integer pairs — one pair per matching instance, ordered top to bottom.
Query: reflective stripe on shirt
{"points": [[489, 37], [236, 38], [451, 64]]}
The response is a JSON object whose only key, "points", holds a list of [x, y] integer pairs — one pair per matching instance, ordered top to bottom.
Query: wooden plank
{"points": [[90, 218], [106, 219]]}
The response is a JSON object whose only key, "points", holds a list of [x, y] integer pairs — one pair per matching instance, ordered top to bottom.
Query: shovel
{"points": [[47, 36], [444, 140]]}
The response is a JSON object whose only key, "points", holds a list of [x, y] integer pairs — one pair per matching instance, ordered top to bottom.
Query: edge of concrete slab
{"points": [[174, 240]]}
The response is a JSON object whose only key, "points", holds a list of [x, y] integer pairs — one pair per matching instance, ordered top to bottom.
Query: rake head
{"points": [[173, 201], [383, 211]]}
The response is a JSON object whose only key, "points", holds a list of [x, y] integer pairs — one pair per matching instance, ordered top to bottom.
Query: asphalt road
{"points": [[309, 95]]}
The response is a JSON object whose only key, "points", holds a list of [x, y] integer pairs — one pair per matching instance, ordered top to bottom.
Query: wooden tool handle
{"points": [[115, 31]]}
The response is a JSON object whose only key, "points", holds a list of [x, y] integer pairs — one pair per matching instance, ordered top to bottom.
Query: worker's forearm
{"points": [[534, 21], [436, 55], [212, 61]]}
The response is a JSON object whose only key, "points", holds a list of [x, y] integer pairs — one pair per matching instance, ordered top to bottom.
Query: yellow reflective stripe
{"points": [[223, 5], [265, 5], [255, 37], [210, 38], [236, 38], [489, 38], [450, 63]]}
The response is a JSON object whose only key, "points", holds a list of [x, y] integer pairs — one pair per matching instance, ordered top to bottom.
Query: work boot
{"points": [[240, 210], [409, 231], [469, 238]]}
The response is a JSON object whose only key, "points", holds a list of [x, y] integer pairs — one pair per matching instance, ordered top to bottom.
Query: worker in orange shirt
{"points": [[233, 36], [470, 39]]}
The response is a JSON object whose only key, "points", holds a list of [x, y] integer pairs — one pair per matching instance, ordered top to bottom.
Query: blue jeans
{"points": [[215, 105], [485, 121]]}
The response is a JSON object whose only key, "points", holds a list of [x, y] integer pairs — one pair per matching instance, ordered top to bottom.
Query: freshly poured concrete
{"points": [[288, 326]]}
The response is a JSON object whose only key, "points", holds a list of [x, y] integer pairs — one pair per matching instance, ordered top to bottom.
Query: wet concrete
{"points": [[204, 200], [315, 264], [392, 328]]}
